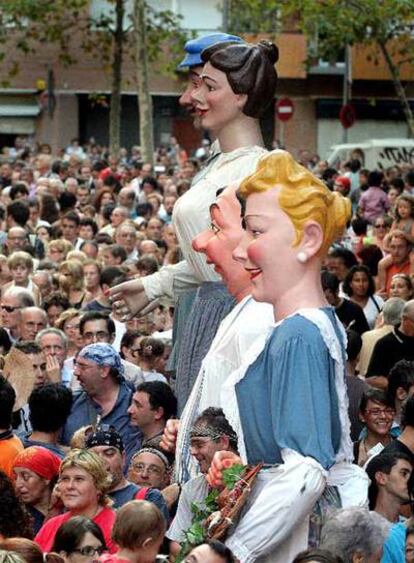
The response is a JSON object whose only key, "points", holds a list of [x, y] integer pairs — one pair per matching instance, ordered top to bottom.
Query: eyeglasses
{"points": [[381, 226], [9, 309], [100, 336], [389, 413], [152, 469], [90, 550]]}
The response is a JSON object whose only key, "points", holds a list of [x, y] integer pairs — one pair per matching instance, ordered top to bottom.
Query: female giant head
{"points": [[291, 220]]}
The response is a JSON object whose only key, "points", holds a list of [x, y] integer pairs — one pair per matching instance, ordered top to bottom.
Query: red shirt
{"points": [[105, 520]]}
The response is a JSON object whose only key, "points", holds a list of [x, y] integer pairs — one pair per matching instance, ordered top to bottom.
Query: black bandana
{"points": [[105, 437]]}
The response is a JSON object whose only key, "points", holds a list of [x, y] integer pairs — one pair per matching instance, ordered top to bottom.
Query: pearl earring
{"points": [[302, 257]]}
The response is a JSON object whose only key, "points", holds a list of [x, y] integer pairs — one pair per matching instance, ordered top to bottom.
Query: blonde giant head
{"points": [[303, 197]]}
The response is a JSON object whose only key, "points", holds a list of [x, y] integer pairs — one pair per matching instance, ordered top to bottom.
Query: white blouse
{"points": [[191, 216]]}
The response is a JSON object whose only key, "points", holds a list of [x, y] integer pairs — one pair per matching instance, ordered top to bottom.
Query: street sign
{"points": [[284, 109], [347, 116]]}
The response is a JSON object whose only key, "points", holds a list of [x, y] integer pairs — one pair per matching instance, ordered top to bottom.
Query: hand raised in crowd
{"points": [[128, 299], [53, 369], [169, 438], [221, 460]]}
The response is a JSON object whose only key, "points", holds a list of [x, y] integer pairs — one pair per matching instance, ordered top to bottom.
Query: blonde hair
{"points": [[303, 197], [62, 245], [77, 255], [20, 257], [75, 268], [66, 316], [78, 440], [91, 463], [135, 522], [10, 557]]}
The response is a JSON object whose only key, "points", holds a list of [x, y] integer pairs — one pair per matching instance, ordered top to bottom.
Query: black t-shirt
{"points": [[352, 316], [389, 350]]}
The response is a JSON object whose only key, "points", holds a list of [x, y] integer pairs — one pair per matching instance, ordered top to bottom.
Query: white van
{"points": [[378, 153]]}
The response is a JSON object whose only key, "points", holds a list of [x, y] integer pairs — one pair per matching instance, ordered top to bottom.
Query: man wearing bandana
{"points": [[105, 396], [210, 433], [107, 443]]}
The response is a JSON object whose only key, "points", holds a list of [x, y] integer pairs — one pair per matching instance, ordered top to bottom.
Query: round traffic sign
{"points": [[284, 109]]}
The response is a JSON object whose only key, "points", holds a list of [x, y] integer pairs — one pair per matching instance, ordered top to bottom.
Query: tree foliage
{"points": [[386, 27]]}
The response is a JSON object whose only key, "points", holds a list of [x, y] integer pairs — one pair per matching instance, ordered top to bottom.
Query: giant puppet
{"points": [[237, 84], [287, 402]]}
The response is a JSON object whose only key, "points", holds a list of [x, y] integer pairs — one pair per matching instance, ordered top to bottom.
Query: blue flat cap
{"points": [[194, 47]]}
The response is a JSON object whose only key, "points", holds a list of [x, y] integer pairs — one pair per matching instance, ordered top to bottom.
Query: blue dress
{"points": [[288, 398]]}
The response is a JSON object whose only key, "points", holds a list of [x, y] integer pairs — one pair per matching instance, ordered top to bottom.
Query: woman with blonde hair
{"points": [[58, 249], [71, 282], [68, 322], [288, 401], [83, 485]]}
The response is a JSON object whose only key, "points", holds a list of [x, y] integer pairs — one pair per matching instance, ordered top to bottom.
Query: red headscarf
{"points": [[39, 460]]}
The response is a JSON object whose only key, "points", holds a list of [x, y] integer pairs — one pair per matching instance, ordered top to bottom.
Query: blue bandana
{"points": [[103, 354]]}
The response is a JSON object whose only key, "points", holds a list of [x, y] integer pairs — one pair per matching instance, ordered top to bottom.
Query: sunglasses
{"points": [[9, 309], [90, 550]]}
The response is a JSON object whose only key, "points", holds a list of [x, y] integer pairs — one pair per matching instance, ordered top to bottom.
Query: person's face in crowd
{"points": [[215, 102], [188, 170], [5, 171], [85, 173], [71, 185], [147, 188], [392, 195], [83, 196], [107, 198], [126, 198], [169, 202], [155, 203], [404, 209], [34, 214], [118, 216], [268, 227], [381, 228], [154, 229], [70, 230], [86, 232], [43, 234], [169, 236], [127, 237], [16, 239], [219, 241], [148, 247], [90, 250], [399, 250], [55, 254], [109, 259], [337, 266], [131, 270], [20, 274], [5, 275], [91, 276], [65, 279], [42, 281], [359, 284], [400, 288], [10, 311], [53, 313], [160, 316], [33, 320], [145, 325], [71, 329], [96, 331], [52, 345], [131, 352], [39, 368], [89, 375], [140, 411], [378, 418], [203, 450], [114, 462], [147, 470], [396, 483], [30, 487], [77, 489], [409, 548], [87, 551], [203, 554]]}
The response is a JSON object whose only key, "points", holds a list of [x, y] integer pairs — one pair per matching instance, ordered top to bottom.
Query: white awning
{"points": [[17, 114]]}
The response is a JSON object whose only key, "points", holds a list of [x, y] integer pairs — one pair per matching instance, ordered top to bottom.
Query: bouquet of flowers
{"points": [[220, 509]]}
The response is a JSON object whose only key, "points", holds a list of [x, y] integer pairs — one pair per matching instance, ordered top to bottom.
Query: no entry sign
{"points": [[284, 109]]}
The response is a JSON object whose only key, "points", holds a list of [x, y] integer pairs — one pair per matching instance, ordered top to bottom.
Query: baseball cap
{"points": [[194, 47]]}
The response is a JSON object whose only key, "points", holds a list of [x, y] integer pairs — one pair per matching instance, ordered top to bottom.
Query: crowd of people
{"points": [[113, 424]]}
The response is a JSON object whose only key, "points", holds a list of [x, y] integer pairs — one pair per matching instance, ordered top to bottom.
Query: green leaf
{"points": [[232, 475]]}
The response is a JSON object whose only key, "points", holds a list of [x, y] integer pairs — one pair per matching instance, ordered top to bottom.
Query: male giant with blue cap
{"points": [[194, 64], [105, 395]]}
